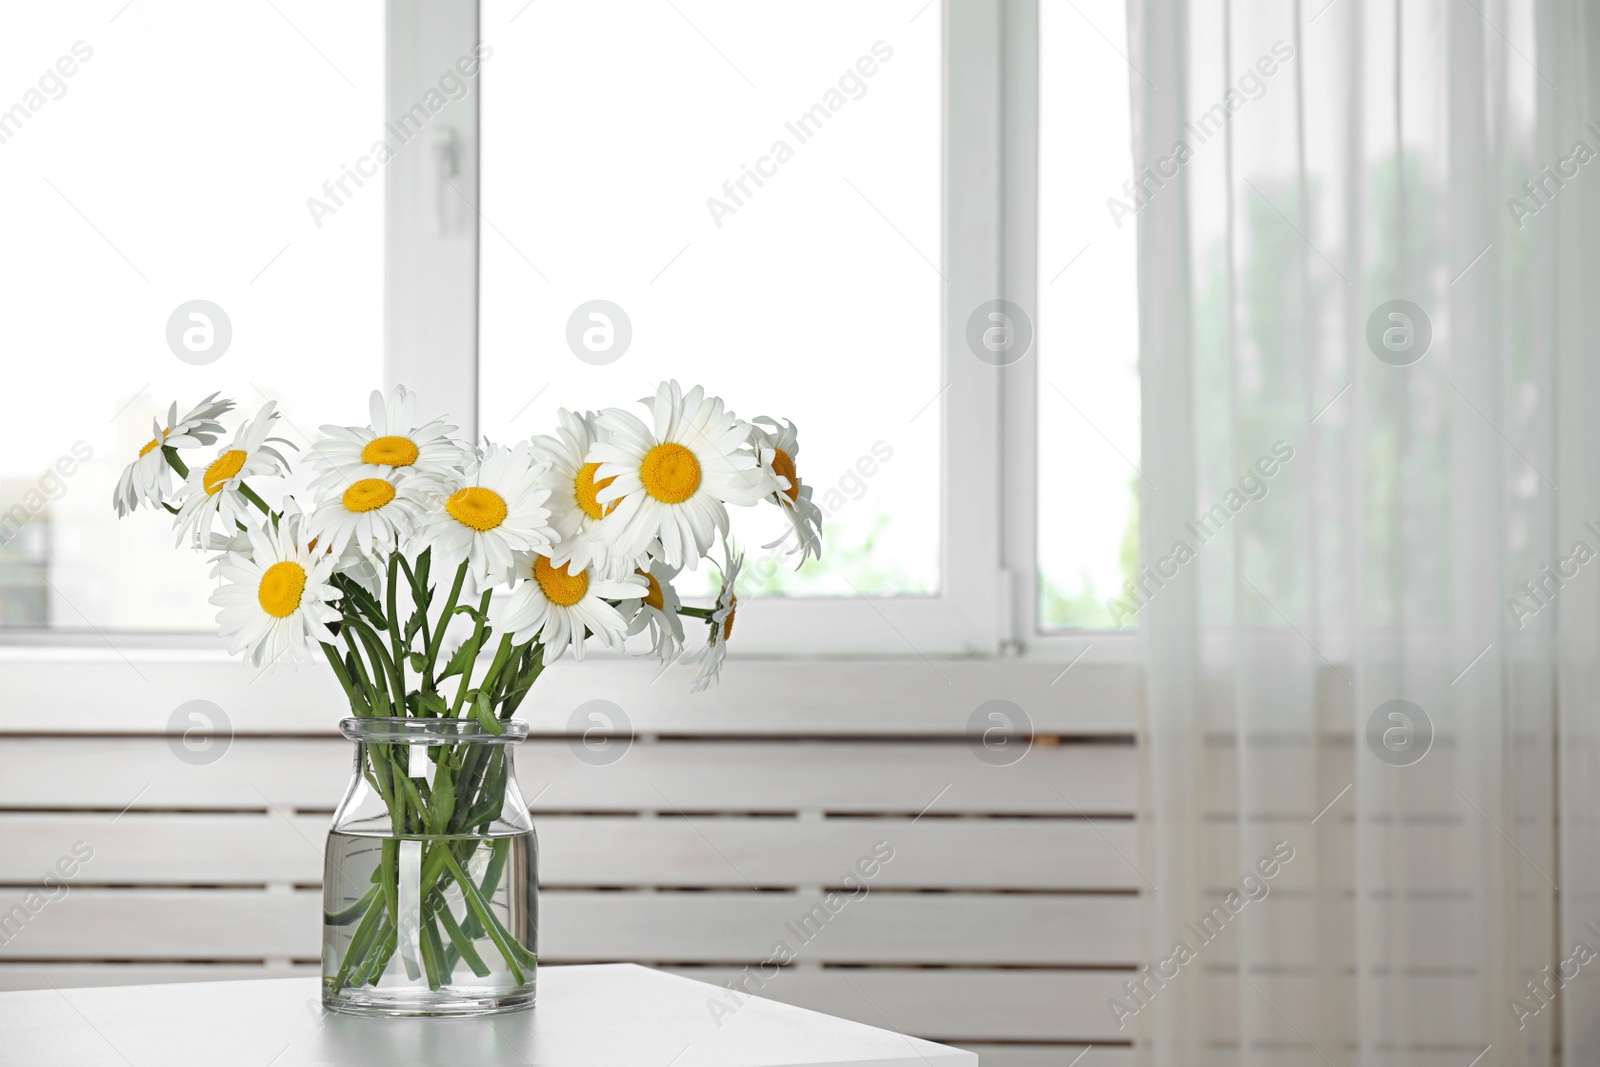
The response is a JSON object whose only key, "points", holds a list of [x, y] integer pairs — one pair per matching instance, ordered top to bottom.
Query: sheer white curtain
{"points": [[1370, 616]]}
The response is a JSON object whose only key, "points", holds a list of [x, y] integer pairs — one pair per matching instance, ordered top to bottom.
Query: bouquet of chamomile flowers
{"points": [[582, 531]]}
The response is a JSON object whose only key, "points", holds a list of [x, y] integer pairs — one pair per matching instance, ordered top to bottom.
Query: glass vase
{"points": [[430, 884]]}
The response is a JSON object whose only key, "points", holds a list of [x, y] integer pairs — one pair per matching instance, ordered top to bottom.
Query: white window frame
{"points": [[987, 599], [987, 603]]}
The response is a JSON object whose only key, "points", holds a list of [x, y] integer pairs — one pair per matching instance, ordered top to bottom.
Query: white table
{"points": [[611, 1015]]}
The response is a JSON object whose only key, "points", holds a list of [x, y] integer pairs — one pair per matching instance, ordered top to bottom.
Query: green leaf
{"points": [[356, 595], [468, 609], [416, 659], [458, 662], [432, 704], [485, 715], [443, 802]]}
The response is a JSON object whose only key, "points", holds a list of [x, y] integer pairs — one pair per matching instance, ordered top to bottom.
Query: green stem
{"points": [[250, 495], [418, 607], [698, 613], [394, 622], [444, 624], [472, 654], [380, 661], [496, 666], [344, 677], [523, 683], [378, 695], [480, 909], [346, 916], [428, 942], [461, 942], [359, 943], [378, 961]]}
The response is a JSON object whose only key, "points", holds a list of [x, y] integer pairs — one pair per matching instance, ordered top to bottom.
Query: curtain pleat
{"points": [[1369, 360]]}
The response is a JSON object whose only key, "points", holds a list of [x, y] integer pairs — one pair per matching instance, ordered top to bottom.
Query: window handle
{"points": [[445, 151]]}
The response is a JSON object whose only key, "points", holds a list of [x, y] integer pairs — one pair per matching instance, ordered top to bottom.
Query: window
{"points": [[156, 157], [808, 210], [764, 221], [1088, 388]]}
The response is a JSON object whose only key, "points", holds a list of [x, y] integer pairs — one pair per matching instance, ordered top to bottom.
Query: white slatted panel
{"points": [[1007, 917]]}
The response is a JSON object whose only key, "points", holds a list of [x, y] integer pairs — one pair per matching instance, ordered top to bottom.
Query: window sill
{"points": [[138, 690]]}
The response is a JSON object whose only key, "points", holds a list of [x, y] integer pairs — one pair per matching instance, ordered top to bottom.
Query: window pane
{"points": [[172, 164], [757, 188], [1088, 317]]}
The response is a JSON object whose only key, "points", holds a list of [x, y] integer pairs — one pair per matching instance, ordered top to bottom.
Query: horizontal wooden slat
{"points": [[135, 690], [858, 776], [909, 777], [160, 848], [229, 849], [928, 853], [168, 924], [178, 924], [878, 928]]}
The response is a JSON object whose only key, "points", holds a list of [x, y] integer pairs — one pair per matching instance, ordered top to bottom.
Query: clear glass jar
{"points": [[430, 884]]}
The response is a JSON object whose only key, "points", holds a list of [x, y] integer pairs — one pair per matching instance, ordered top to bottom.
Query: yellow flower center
{"points": [[155, 442], [389, 452], [784, 465], [226, 466], [670, 473], [587, 489], [369, 494], [477, 507], [560, 586], [280, 589], [653, 595], [727, 623]]}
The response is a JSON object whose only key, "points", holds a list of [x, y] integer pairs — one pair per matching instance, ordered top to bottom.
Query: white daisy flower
{"points": [[394, 440], [776, 450], [148, 479], [671, 481], [216, 491], [370, 509], [494, 510], [575, 512], [225, 546], [350, 562], [366, 571], [276, 599], [561, 608], [657, 611], [711, 654]]}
